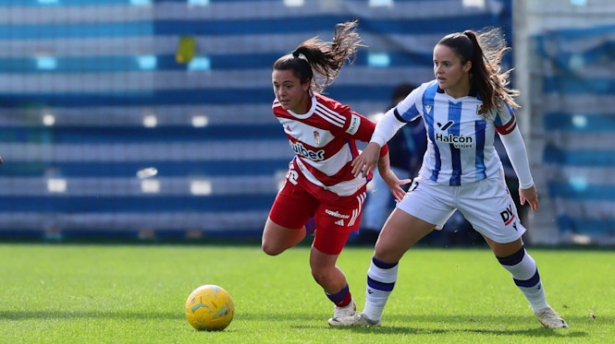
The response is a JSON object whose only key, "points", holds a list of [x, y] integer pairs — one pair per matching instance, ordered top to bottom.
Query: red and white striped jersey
{"points": [[324, 142]]}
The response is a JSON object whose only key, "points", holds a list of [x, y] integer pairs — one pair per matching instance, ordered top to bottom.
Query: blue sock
{"points": [[342, 298]]}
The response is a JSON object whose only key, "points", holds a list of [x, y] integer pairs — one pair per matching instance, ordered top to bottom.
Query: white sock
{"points": [[525, 274], [381, 278]]}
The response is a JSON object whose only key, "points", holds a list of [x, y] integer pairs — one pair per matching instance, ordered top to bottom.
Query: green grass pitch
{"points": [[136, 294]]}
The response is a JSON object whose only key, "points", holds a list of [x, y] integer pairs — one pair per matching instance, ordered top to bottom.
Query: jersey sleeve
{"points": [[408, 109], [505, 121], [356, 126], [360, 128], [517, 154]]}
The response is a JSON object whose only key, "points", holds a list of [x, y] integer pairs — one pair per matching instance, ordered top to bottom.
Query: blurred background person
{"points": [[406, 151]]}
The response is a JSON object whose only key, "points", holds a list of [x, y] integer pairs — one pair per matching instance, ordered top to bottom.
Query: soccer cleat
{"points": [[347, 311], [549, 318], [356, 320]]}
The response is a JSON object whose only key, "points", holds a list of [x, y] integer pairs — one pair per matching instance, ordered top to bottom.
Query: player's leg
{"points": [[423, 208], [492, 213], [288, 218], [335, 222], [400, 233], [277, 239], [514, 258], [333, 281]]}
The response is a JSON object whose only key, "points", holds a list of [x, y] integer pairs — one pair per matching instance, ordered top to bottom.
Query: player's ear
{"points": [[467, 67], [306, 85]]}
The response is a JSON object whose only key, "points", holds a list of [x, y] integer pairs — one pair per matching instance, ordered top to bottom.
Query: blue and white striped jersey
{"points": [[460, 141]]}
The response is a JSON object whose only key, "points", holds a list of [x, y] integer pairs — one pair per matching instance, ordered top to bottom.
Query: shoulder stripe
{"points": [[334, 115], [330, 116], [328, 119]]}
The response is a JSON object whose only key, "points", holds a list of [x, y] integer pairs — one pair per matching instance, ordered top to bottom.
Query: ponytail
{"points": [[323, 59]]}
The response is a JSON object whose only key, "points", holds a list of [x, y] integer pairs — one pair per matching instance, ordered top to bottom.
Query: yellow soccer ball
{"points": [[210, 308]]}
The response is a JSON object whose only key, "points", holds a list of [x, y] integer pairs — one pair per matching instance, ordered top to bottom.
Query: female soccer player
{"points": [[462, 108], [320, 182]]}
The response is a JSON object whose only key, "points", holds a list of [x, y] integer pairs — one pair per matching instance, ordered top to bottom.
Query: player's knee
{"points": [[271, 249], [385, 253]]}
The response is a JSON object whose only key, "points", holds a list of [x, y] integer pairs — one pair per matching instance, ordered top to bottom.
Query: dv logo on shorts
{"points": [[508, 216]]}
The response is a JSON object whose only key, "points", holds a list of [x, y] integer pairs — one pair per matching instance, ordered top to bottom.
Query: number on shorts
{"points": [[292, 175], [414, 185]]}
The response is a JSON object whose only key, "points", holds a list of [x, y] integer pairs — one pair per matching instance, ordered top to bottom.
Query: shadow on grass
{"points": [[68, 314], [429, 325], [488, 325], [532, 332]]}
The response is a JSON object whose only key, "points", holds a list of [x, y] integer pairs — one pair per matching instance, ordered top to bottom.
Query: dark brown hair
{"points": [[485, 49], [322, 59]]}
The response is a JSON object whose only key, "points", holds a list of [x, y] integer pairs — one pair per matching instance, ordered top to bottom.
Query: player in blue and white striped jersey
{"points": [[463, 108]]}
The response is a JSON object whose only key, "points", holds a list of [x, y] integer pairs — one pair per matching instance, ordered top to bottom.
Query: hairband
{"points": [[299, 56]]}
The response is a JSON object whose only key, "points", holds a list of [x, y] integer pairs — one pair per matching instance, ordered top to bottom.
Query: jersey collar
{"points": [[473, 92]]}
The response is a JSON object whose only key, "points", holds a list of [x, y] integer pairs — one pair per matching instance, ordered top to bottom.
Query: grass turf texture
{"points": [[136, 294]]}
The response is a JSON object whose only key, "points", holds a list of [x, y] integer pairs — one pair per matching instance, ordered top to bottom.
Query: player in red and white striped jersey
{"points": [[323, 140], [320, 183]]}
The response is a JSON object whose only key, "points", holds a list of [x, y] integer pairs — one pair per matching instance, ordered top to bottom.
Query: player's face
{"points": [[453, 77], [288, 89]]}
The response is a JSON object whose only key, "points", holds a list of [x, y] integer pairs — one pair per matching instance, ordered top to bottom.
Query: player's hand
{"points": [[366, 161], [395, 184], [530, 196]]}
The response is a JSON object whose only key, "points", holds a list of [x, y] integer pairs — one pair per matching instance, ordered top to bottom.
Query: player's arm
{"points": [[407, 110], [359, 127], [386, 128], [383, 132], [515, 148]]}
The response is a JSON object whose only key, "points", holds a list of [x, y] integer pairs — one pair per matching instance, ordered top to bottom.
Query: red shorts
{"points": [[293, 206]]}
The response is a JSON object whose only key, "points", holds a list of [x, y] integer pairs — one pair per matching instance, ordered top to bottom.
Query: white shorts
{"points": [[486, 204]]}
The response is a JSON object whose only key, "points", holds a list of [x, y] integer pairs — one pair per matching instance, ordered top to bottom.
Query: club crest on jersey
{"points": [[428, 108], [316, 138]]}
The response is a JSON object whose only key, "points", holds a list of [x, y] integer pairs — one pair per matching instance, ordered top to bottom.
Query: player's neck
{"points": [[459, 91], [307, 104]]}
